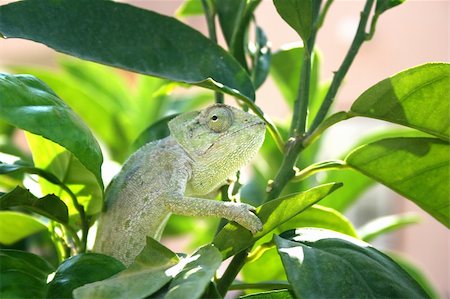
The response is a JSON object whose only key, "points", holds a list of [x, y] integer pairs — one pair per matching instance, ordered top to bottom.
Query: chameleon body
{"points": [[175, 174]]}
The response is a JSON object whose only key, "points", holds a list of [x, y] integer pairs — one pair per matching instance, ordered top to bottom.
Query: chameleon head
{"points": [[220, 139]]}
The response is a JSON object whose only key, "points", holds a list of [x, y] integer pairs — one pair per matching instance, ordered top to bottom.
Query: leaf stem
{"points": [[322, 15], [210, 21], [358, 40], [299, 117], [318, 167], [80, 209], [231, 272], [269, 285]]}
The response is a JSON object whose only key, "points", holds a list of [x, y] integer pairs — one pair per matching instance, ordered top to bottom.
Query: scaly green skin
{"points": [[172, 174]]}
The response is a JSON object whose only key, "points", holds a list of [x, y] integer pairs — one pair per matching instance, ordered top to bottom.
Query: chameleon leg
{"points": [[238, 212]]}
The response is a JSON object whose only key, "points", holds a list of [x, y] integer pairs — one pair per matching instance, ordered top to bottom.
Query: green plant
{"points": [[304, 246]]}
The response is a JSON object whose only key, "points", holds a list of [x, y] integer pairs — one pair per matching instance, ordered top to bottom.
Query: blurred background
{"points": [[408, 35]]}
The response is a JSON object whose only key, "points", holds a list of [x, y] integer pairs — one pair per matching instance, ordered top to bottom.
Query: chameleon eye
{"points": [[219, 119]]}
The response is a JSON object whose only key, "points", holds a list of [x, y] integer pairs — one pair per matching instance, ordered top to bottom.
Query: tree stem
{"points": [[210, 21], [359, 38], [232, 271]]}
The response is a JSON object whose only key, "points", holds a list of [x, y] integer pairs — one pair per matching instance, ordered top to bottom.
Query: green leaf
{"points": [[383, 5], [190, 8], [230, 13], [298, 14], [234, 19], [148, 37], [261, 57], [285, 68], [417, 98], [29, 104], [157, 130], [417, 168], [68, 170], [355, 184], [49, 206], [315, 216], [321, 217], [386, 224], [15, 226], [233, 238], [30, 263], [349, 268], [80, 270], [151, 270], [415, 273], [23, 275], [195, 277], [278, 294]]}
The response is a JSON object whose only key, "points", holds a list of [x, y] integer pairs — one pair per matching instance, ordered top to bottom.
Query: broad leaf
{"points": [[383, 5], [190, 8], [230, 13], [298, 14], [155, 45], [261, 56], [285, 68], [417, 98], [29, 104], [157, 130], [417, 168], [68, 170], [355, 185], [49, 206], [315, 216], [321, 217], [386, 224], [15, 226], [233, 238], [325, 264], [80, 270], [149, 272], [415, 273], [23, 275], [195, 277], [278, 294]]}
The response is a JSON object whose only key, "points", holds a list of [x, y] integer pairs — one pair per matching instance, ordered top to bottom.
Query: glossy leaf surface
{"points": [[298, 14], [148, 37], [417, 98], [29, 104], [63, 165], [417, 168], [49, 206], [15, 226], [233, 238], [314, 258], [80, 270], [23, 274], [196, 275], [145, 276]]}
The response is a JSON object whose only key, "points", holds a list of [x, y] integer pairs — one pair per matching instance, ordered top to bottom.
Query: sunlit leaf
{"points": [[149, 38], [417, 98], [29, 104], [417, 168], [49, 206], [15, 226], [233, 238], [314, 258], [80, 270], [196, 275], [144, 277]]}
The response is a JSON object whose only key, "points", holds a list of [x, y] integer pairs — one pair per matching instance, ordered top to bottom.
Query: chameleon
{"points": [[177, 175]]}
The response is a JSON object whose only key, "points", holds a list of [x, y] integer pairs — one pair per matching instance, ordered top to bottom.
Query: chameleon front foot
{"points": [[246, 217]]}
